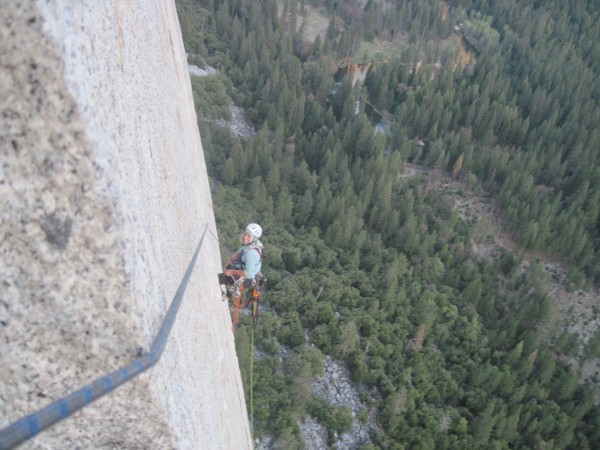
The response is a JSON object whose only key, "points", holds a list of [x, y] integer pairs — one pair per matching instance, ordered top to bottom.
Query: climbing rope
{"points": [[241, 298], [252, 383]]}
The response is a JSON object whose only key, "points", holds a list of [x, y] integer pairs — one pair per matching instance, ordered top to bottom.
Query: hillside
{"points": [[575, 310], [445, 318]]}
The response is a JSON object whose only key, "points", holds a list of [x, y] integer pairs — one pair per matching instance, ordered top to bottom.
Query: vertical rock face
{"points": [[104, 197]]}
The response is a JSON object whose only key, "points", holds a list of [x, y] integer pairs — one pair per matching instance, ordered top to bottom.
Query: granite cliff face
{"points": [[104, 197]]}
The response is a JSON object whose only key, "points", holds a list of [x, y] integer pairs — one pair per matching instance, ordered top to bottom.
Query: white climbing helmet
{"points": [[254, 230]]}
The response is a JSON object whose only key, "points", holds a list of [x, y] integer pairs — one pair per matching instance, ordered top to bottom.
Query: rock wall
{"points": [[104, 197]]}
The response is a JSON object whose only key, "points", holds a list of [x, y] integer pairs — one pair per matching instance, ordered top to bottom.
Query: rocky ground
{"points": [[239, 125], [336, 387]]}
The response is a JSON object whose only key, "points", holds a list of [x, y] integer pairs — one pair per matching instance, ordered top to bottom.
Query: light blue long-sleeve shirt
{"points": [[251, 260]]}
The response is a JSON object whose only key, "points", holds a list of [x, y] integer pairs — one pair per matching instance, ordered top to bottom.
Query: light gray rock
{"points": [[104, 196], [336, 387]]}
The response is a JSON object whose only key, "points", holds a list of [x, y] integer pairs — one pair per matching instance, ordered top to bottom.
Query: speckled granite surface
{"points": [[103, 198]]}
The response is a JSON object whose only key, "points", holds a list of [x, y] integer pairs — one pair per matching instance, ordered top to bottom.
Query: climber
{"points": [[246, 262]]}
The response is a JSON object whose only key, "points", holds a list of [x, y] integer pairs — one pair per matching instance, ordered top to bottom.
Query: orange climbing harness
{"points": [[243, 296]]}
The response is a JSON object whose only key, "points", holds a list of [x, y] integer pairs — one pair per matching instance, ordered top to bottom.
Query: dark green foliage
{"points": [[375, 269], [334, 419]]}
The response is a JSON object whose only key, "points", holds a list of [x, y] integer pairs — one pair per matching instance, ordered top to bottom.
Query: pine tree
{"points": [[457, 167], [284, 206], [303, 208], [483, 424]]}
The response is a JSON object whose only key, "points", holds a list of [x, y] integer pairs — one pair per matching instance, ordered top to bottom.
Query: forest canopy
{"points": [[374, 268]]}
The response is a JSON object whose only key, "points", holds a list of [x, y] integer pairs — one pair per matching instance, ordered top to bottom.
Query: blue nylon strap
{"points": [[124, 373], [107, 383], [88, 395], [63, 408], [34, 426], [27, 427]]}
